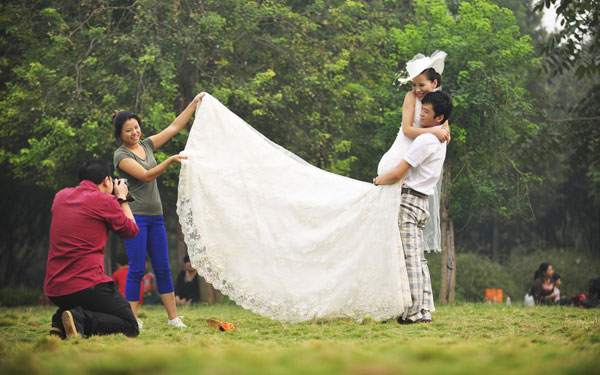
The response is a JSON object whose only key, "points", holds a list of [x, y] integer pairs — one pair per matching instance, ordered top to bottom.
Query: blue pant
{"points": [[151, 240]]}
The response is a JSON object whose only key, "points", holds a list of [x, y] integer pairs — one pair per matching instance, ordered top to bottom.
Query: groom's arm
{"points": [[394, 175]]}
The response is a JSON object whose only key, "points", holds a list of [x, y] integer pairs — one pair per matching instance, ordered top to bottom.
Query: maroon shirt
{"points": [[81, 218]]}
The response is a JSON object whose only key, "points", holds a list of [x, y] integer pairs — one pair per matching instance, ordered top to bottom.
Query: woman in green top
{"points": [[134, 160]]}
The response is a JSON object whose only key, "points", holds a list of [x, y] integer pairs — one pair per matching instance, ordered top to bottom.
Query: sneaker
{"points": [[177, 322], [69, 324], [140, 324]]}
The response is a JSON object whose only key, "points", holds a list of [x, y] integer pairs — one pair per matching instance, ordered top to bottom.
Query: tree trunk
{"points": [[448, 261], [451, 263], [209, 294], [442, 298]]}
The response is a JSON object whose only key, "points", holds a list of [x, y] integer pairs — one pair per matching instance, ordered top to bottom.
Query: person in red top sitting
{"points": [[120, 275], [148, 286], [88, 302]]}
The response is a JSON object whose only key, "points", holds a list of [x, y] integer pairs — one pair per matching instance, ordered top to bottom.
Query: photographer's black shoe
{"points": [[69, 323], [55, 331]]}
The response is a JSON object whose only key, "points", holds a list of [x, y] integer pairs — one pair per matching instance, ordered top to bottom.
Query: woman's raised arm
{"points": [[177, 124]]}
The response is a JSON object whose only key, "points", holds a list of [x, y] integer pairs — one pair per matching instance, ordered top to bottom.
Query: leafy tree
{"points": [[576, 46], [571, 55], [565, 206]]}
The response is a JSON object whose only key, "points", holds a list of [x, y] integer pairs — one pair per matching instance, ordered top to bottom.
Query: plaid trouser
{"points": [[412, 218]]}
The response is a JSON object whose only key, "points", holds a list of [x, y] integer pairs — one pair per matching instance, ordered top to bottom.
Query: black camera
{"points": [[129, 197]]}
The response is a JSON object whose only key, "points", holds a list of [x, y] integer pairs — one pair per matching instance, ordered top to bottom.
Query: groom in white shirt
{"points": [[421, 169]]}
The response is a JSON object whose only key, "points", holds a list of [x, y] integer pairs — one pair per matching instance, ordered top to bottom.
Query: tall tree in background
{"points": [[576, 46], [575, 51], [572, 57], [565, 207]]}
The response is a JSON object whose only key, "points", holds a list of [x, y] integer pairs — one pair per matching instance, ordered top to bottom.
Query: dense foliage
{"points": [[576, 45], [315, 78]]}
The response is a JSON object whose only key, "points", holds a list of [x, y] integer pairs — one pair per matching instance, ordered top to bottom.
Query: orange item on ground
{"points": [[493, 295], [220, 326]]}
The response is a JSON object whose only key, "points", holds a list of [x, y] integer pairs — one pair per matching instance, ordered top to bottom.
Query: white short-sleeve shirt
{"points": [[426, 157]]}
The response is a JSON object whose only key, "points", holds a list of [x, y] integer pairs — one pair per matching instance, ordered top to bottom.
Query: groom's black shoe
{"points": [[406, 321]]}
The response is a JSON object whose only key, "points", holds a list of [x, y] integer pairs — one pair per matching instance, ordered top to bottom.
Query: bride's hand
{"points": [[198, 98], [447, 127], [443, 134]]}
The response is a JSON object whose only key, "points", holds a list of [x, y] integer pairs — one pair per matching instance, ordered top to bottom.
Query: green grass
{"points": [[464, 338]]}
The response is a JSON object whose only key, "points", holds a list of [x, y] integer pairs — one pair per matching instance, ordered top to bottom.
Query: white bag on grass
{"points": [[528, 300]]}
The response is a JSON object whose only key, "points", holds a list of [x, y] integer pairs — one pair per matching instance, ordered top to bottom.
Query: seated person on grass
{"points": [[120, 275], [543, 285], [187, 286], [148, 287], [554, 297]]}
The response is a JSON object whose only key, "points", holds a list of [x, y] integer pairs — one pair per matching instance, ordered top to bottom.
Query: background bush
{"points": [[475, 273], [10, 297]]}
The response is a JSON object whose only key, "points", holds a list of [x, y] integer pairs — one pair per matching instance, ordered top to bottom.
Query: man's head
{"points": [[436, 108], [98, 172], [122, 261]]}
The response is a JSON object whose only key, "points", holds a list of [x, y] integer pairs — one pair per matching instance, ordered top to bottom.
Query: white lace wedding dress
{"points": [[281, 237]]}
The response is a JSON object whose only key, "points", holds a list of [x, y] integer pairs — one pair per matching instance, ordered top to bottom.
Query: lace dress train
{"points": [[281, 237]]}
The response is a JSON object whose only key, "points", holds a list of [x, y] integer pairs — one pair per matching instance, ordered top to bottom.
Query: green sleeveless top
{"points": [[147, 199]]}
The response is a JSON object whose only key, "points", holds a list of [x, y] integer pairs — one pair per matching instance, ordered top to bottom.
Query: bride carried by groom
{"points": [[292, 242]]}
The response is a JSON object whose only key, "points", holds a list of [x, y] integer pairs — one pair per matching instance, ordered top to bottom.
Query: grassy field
{"points": [[464, 338]]}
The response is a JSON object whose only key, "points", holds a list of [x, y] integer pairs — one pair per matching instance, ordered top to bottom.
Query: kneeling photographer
{"points": [[87, 299]]}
